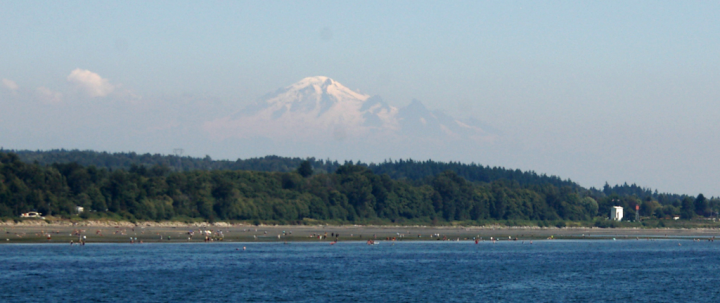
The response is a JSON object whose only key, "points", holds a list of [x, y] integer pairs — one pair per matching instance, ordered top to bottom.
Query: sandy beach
{"points": [[171, 232]]}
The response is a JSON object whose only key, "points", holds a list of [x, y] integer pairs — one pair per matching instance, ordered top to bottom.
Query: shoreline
{"points": [[222, 224], [178, 232]]}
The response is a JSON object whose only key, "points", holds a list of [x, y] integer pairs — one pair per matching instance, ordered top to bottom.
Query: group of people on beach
{"points": [[336, 236], [81, 241]]}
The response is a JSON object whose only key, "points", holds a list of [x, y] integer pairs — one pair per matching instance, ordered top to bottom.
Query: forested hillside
{"points": [[175, 163], [399, 169], [637, 191], [353, 193]]}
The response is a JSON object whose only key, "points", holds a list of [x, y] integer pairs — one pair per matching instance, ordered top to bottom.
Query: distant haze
{"points": [[591, 91]]}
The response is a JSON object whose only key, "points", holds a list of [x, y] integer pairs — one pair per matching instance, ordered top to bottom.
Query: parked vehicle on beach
{"points": [[32, 214]]}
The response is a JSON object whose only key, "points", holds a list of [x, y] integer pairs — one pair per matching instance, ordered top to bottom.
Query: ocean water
{"points": [[545, 271]]}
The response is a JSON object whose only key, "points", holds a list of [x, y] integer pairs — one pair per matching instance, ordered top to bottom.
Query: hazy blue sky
{"points": [[592, 91]]}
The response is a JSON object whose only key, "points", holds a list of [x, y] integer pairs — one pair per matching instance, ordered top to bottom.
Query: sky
{"points": [[594, 91]]}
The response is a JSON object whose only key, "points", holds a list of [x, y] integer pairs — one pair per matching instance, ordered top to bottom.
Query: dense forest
{"points": [[399, 169], [352, 193]]}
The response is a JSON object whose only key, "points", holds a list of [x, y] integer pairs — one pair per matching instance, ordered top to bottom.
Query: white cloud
{"points": [[91, 83], [10, 84], [49, 96]]}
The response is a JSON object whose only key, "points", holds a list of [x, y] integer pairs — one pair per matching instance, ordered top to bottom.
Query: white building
{"points": [[79, 209], [616, 213]]}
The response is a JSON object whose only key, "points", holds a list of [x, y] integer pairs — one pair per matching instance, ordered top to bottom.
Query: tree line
{"points": [[398, 169], [352, 193]]}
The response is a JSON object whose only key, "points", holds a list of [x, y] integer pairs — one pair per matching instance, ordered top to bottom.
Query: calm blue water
{"points": [[546, 271]]}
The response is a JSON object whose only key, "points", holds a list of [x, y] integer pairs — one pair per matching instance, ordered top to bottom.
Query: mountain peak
{"points": [[317, 80], [322, 85], [415, 103], [318, 106], [415, 108]]}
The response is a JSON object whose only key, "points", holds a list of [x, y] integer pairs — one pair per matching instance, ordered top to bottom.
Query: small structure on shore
{"points": [[79, 209], [616, 213]]}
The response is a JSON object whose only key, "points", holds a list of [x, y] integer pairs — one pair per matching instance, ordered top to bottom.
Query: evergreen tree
{"points": [[305, 169]]}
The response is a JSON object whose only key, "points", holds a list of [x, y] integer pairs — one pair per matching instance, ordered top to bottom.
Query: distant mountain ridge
{"points": [[322, 108]]}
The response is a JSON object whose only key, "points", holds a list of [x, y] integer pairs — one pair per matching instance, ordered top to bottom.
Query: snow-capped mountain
{"points": [[320, 107]]}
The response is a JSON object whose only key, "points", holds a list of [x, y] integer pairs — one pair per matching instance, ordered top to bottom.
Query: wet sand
{"points": [[247, 233]]}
